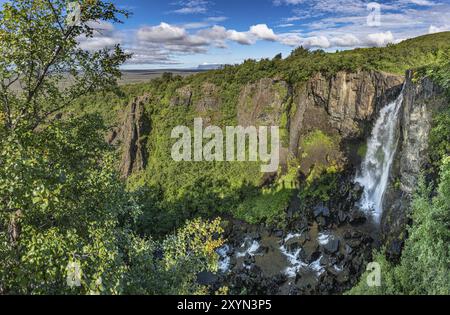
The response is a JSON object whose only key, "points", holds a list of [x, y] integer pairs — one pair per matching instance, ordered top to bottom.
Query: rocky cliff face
{"points": [[421, 99], [262, 103], [342, 105], [132, 135]]}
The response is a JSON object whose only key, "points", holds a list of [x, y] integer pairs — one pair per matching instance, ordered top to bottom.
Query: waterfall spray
{"points": [[381, 149]]}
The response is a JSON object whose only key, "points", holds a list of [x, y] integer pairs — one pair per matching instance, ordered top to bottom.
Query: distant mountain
{"points": [[210, 66]]}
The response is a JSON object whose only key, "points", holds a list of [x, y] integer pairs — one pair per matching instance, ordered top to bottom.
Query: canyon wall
{"points": [[421, 99]]}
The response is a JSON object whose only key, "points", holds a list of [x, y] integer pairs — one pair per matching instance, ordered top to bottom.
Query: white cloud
{"points": [[421, 2], [216, 19], [285, 25], [437, 29], [262, 31], [162, 33], [104, 36], [242, 38], [380, 39], [346, 40], [316, 42]]}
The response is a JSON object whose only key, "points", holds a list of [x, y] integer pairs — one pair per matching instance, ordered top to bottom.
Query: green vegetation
{"points": [[362, 150], [320, 161], [269, 205], [68, 225]]}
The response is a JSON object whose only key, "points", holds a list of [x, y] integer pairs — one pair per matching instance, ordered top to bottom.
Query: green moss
{"points": [[316, 139], [362, 150], [269, 204]]}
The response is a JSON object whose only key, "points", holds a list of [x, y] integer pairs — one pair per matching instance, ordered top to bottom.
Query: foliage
{"points": [[40, 49], [439, 140], [320, 161], [320, 186], [179, 191], [60, 203], [268, 205], [67, 223], [171, 266], [424, 266]]}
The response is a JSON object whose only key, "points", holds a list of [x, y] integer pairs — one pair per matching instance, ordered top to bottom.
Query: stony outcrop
{"points": [[182, 97], [209, 100], [420, 101], [261, 103], [342, 104], [131, 136]]}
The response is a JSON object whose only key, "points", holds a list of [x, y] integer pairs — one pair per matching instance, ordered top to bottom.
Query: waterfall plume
{"points": [[381, 149]]}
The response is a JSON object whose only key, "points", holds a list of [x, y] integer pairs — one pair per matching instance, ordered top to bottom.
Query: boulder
{"points": [[321, 210], [332, 246]]}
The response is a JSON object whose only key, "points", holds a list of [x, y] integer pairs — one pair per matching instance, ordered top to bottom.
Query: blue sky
{"points": [[187, 33]]}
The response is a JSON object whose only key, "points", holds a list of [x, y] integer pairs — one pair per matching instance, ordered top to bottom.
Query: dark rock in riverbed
{"points": [[321, 210], [357, 217], [332, 246], [314, 256]]}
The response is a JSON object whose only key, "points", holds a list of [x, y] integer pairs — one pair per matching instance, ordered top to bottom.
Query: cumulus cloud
{"points": [[262, 31], [161, 33], [242, 38], [380, 39], [346, 40]]}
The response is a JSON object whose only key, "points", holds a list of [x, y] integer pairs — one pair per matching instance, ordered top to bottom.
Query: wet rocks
{"points": [[421, 99], [321, 210], [357, 217], [332, 246], [207, 278]]}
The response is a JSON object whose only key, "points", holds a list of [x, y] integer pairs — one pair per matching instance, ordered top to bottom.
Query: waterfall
{"points": [[381, 149]]}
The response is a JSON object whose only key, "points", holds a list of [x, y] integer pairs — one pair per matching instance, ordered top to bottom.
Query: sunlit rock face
{"points": [[262, 103], [341, 104], [131, 136]]}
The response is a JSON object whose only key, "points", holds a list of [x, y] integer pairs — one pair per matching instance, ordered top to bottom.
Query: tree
{"points": [[40, 50], [67, 223]]}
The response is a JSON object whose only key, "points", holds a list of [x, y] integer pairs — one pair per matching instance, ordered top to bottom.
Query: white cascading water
{"points": [[381, 149]]}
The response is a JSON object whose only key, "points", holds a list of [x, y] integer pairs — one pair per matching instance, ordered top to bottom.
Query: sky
{"points": [[188, 33]]}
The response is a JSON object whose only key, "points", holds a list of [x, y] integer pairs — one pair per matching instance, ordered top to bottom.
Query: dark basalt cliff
{"points": [[421, 100], [344, 104]]}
